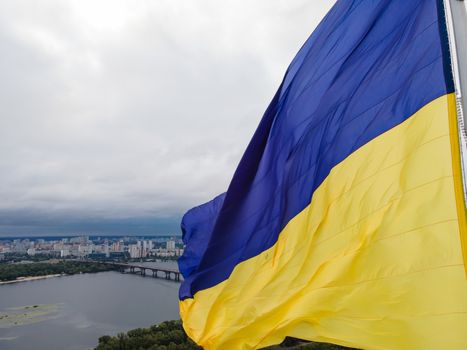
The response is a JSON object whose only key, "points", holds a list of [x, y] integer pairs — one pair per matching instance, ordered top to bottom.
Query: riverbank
{"points": [[20, 272], [32, 278]]}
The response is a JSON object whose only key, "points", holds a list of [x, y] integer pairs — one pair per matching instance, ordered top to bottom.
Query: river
{"points": [[72, 312]]}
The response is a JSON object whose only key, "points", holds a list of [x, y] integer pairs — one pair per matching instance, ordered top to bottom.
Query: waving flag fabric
{"points": [[345, 220]]}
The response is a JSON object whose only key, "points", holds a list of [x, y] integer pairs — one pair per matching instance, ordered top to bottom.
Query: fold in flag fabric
{"points": [[345, 220]]}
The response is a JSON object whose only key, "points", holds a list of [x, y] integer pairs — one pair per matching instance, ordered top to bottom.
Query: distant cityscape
{"points": [[94, 247]]}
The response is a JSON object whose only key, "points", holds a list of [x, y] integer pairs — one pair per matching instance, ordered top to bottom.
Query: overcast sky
{"points": [[118, 116]]}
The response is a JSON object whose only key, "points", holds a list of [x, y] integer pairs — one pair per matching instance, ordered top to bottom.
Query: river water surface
{"points": [[72, 312]]}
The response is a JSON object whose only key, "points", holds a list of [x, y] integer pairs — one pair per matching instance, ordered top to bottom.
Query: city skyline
{"points": [[93, 247]]}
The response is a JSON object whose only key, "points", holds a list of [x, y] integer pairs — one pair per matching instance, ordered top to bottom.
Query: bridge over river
{"points": [[143, 270], [150, 271]]}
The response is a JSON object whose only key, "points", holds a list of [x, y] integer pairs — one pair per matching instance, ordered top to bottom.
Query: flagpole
{"points": [[456, 21]]}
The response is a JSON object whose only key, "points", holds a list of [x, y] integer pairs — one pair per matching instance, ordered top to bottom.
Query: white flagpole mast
{"points": [[456, 20]]}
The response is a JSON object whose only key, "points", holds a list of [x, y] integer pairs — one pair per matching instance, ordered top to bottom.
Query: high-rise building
{"points": [[170, 245], [147, 246], [115, 247], [84, 250], [106, 250], [31, 251], [135, 251], [64, 253]]}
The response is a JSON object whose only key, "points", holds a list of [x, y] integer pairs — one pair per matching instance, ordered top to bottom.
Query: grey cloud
{"points": [[116, 110]]}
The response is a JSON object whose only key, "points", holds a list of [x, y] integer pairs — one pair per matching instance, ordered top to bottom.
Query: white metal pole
{"points": [[456, 21]]}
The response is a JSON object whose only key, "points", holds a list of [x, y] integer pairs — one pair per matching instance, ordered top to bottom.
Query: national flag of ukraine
{"points": [[345, 220]]}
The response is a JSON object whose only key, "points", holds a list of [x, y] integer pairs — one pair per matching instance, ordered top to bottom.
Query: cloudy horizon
{"points": [[119, 116]]}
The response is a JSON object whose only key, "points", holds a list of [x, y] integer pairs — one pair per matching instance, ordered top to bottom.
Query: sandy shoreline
{"points": [[32, 278]]}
